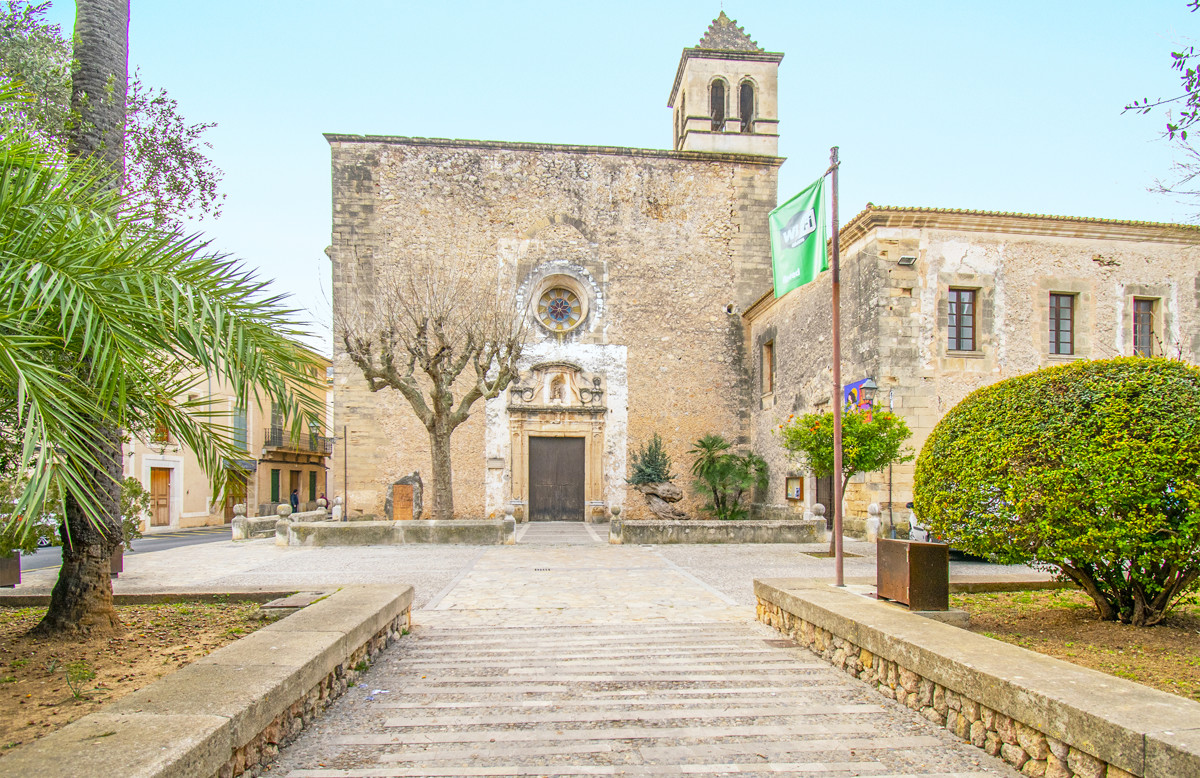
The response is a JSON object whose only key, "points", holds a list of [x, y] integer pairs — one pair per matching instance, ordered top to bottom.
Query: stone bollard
{"points": [[337, 508], [283, 511], [616, 511], [818, 513], [874, 521], [615, 527], [239, 529]]}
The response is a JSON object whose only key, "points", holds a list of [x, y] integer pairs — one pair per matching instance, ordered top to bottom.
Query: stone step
{"points": [[597, 652], [658, 665], [665, 676], [485, 689], [601, 703], [611, 717], [705, 734], [658, 754], [811, 769]]}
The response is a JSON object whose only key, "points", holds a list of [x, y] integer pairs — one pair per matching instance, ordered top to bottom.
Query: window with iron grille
{"points": [[962, 320], [1062, 324], [1143, 327]]}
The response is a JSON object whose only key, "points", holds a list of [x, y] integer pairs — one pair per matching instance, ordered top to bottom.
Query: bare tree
{"points": [[428, 328]]}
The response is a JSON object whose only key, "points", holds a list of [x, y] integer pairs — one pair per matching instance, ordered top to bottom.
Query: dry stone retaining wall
{"points": [[228, 713], [1105, 727]]}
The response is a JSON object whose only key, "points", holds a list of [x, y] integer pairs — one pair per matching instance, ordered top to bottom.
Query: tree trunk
{"points": [[443, 485], [832, 539], [82, 597], [82, 601]]}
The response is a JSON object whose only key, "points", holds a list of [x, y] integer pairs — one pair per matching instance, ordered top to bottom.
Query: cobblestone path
{"points": [[564, 659]]}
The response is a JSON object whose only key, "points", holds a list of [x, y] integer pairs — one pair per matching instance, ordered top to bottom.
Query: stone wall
{"points": [[669, 248], [894, 317], [799, 327], [229, 713], [1043, 716]]}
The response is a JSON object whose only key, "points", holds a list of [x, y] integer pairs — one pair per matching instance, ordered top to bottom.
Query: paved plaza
{"points": [[564, 655]]}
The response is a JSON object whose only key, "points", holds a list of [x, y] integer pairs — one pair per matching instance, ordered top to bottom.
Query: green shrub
{"points": [[651, 465], [1091, 470], [725, 476], [135, 503]]}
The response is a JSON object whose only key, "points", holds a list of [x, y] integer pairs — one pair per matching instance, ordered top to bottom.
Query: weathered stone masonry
{"points": [[670, 246], [894, 317]]}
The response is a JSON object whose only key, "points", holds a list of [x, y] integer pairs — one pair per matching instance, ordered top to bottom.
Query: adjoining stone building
{"points": [[647, 275], [937, 303]]}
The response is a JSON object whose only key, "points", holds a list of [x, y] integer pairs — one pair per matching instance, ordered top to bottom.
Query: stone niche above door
{"points": [[555, 386], [559, 399]]}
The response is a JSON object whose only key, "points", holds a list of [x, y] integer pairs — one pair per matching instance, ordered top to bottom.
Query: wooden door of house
{"points": [[556, 479], [294, 486], [235, 492], [160, 497], [825, 497]]}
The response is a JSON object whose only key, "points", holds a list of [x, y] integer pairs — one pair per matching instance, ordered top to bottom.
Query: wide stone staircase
{"points": [[610, 660]]}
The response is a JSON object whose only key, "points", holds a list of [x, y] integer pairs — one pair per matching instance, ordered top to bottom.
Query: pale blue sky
{"points": [[1010, 106]]}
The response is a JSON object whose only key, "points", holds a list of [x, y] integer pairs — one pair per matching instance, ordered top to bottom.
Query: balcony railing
{"points": [[309, 442]]}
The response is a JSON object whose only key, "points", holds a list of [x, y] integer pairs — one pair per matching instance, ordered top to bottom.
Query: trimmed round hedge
{"points": [[1090, 469]]}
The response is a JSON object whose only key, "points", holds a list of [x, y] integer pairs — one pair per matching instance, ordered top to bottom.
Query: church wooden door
{"points": [[556, 479]]}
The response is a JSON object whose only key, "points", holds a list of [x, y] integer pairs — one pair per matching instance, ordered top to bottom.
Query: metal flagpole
{"points": [[840, 578]]}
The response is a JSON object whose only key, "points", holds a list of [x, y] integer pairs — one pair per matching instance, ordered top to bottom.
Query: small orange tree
{"points": [[869, 442], [1091, 470]]}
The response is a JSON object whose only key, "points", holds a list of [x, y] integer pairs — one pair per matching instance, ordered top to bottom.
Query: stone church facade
{"points": [[651, 254], [647, 279]]}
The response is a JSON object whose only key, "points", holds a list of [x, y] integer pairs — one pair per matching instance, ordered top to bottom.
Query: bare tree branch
{"points": [[418, 325]]}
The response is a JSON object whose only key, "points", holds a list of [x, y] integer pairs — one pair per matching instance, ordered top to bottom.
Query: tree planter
{"points": [[116, 563], [10, 570]]}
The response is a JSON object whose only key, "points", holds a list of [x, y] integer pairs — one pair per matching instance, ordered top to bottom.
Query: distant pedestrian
{"points": [[295, 500]]}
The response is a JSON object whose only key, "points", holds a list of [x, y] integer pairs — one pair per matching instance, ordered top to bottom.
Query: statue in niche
{"points": [[558, 389]]}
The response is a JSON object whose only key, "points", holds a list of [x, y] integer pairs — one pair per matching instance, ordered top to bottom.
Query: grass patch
{"points": [[1062, 623], [46, 684]]}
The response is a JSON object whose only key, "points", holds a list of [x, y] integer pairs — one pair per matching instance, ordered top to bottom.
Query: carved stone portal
{"points": [[559, 399]]}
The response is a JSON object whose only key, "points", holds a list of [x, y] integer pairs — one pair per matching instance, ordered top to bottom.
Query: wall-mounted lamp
{"points": [[906, 261], [868, 389]]}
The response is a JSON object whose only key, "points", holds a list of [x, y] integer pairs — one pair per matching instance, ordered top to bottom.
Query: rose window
{"points": [[559, 309]]}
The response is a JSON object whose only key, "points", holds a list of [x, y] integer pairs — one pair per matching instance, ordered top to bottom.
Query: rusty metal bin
{"points": [[913, 573]]}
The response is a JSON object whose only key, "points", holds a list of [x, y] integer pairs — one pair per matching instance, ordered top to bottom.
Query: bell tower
{"points": [[725, 97]]}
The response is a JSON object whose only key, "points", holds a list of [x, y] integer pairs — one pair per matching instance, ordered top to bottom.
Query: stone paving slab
{"points": [[576, 659]]}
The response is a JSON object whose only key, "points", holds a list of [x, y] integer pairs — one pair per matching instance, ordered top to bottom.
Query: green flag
{"points": [[798, 237]]}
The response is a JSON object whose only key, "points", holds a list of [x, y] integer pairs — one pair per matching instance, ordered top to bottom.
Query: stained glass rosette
{"points": [[559, 309]]}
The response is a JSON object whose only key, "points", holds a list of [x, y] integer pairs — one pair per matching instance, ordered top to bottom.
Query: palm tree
{"points": [[104, 322]]}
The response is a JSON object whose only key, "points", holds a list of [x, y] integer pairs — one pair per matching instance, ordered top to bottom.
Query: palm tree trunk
{"points": [[99, 80], [82, 597], [82, 600]]}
